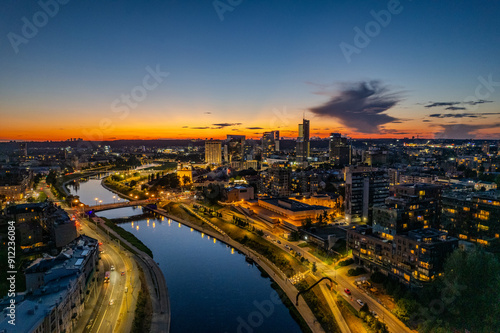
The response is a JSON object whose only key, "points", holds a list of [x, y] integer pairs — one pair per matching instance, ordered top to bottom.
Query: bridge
{"points": [[99, 208]]}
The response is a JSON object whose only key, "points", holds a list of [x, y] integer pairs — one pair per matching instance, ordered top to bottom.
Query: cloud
{"points": [[481, 101], [436, 104], [360, 105], [451, 107], [207, 112], [463, 115], [426, 121], [222, 125], [185, 126], [200, 127], [254, 128], [393, 131], [462, 131]]}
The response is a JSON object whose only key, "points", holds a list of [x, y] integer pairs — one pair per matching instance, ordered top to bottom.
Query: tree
{"points": [[186, 180], [133, 183], [307, 223], [314, 268], [472, 278], [405, 308]]}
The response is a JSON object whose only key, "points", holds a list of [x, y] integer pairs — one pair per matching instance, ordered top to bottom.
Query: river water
{"points": [[211, 286]]}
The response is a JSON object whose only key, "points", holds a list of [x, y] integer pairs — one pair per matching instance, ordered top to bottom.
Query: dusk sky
{"points": [[204, 69]]}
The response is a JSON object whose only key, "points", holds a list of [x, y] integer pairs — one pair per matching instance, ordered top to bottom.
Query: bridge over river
{"points": [[132, 203]]}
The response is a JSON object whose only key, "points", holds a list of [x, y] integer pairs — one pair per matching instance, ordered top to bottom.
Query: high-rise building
{"points": [[270, 142], [303, 145], [235, 148], [340, 150], [213, 154], [277, 181], [364, 188], [413, 206], [413, 257]]}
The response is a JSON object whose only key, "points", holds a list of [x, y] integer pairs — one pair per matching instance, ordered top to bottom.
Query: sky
{"points": [[204, 69]]}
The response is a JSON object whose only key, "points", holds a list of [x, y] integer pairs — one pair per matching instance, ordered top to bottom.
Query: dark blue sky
{"points": [[263, 65]]}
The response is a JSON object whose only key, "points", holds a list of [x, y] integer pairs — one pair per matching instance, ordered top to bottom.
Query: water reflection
{"points": [[209, 286]]}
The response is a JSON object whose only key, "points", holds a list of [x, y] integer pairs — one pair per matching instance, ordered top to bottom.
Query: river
{"points": [[211, 286]]}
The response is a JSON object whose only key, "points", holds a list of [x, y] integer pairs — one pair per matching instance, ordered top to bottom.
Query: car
{"points": [[278, 242], [286, 245], [112, 267], [123, 273], [126, 289], [347, 291], [111, 301], [360, 302], [374, 314]]}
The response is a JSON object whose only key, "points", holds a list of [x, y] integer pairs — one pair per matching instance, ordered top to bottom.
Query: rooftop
{"points": [[293, 205]]}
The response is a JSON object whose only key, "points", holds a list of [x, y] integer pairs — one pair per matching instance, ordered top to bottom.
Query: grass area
{"points": [[164, 166], [124, 189], [42, 197], [176, 210], [129, 237], [304, 244], [322, 255], [283, 260], [344, 263], [341, 301], [319, 306], [144, 309]]}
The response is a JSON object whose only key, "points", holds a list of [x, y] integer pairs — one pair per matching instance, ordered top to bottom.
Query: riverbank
{"points": [[190, 219], [274, 273]]}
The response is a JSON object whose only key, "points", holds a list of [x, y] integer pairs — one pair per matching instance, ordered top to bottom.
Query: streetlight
{"points": [[114, 197], [96, 201]]}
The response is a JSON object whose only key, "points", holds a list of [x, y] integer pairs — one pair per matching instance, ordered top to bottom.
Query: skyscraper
{"points": [[270, 142], [303, 146], [340, 150], [213, 154], [365, 187]]}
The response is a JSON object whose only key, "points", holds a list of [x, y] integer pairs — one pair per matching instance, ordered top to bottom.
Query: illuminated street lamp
{"points": [[114, 197], [96, 201]]}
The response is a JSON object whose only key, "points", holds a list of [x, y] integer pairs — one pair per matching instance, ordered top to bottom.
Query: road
{"points": [[104, 317], [393, 323]]}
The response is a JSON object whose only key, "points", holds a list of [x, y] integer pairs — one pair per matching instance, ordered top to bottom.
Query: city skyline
{"points": [[198, 70]]}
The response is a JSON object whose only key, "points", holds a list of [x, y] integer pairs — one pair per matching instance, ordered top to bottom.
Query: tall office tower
{"points": [[270, 142], [303, 146], [340, 150], [213, 154], [365, 187]]}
